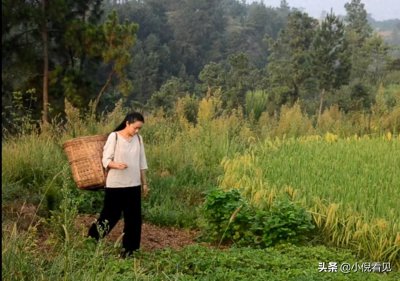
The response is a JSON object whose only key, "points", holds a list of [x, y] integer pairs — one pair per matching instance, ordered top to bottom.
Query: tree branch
{"points": [[103, 89]]}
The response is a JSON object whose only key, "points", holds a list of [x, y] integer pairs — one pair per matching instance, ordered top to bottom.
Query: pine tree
{"points": [[358, 31], [330, 57], [289, 64]]}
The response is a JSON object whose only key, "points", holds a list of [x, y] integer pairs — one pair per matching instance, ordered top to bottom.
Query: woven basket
{"points": [[84, 156]]}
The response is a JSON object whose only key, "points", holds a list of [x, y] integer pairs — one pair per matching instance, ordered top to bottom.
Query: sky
{"points": [[379, 9]]}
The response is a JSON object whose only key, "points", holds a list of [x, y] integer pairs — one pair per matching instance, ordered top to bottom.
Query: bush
{"points": [[219, 211], [227, 217], [285, 221]]}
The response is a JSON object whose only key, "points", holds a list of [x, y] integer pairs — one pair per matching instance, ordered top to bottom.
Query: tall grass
{"points": [[30, 167]]}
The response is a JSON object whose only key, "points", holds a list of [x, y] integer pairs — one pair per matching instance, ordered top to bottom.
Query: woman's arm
{"points": [[109, 153], [143, 179]]}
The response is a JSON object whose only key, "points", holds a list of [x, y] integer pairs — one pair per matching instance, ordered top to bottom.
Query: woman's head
{"points": [[132, 121]]}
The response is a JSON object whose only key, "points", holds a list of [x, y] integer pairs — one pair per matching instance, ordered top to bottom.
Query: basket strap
{"points": [[116, 140], [115, 146]]}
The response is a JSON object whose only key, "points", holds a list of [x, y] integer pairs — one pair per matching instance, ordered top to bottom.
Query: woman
{"points": [[125, 160]]}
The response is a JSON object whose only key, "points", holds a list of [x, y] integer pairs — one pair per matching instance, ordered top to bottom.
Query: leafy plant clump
{"points": [[228, 218]]}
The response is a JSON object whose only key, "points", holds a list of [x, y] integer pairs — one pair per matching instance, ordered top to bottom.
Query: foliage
{"points": [[356, 19], [38, 24], [198, 27], [230, 45], [116, 51], [330, 58], [290, 62], [212, 75], [168, 94], [358, 97], [187, 109], [20, 120], [331, 120], [197, 136], [220, 211], [228, 217], [285, 262]]}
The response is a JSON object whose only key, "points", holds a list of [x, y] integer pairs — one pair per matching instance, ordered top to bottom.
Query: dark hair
{"points": [[131, 118]]}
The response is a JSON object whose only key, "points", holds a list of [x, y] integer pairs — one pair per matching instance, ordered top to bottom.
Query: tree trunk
{"points": [[45, 35], [97, 100], [321, 102]]}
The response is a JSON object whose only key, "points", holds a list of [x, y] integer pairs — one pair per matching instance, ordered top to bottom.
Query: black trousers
{"points": [[117, 201]]}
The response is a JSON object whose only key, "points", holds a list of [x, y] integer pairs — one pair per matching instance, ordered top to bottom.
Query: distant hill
{"points": [[388, 29]]}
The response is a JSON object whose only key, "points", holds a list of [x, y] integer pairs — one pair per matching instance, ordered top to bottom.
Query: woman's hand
{"points": [[118, 165], [145, 189]]}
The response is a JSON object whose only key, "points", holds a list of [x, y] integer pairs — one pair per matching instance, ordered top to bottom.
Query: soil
{"points": [[153, 237]]}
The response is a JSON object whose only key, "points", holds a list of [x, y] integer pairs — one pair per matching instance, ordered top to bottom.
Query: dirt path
{"points": [[153, 237]]}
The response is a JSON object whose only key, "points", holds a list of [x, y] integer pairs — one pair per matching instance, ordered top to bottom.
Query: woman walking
{"points": [[125, 159]]}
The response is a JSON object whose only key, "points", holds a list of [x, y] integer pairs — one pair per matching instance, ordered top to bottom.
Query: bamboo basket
{"points": [[84, 156]]}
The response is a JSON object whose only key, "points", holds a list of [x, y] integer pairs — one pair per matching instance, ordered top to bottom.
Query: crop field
{"points": [[351, 186]]}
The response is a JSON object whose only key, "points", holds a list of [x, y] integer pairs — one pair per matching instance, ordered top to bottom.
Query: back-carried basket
{"points": [[84, 156]]}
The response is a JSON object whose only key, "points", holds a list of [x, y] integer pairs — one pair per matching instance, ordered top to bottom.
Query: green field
{"points": [[351, 186]]}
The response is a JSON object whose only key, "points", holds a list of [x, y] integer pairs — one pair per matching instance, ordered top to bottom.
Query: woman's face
{"points": [[134, 127]]}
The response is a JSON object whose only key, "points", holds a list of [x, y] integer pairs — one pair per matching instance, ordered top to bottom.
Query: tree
{"points": [[357, 21], [261, 22], [35, 30], [198, 30], [358, 31], [118, 42], [376, 51], [21, 52], [368, 55], [330, 57], [153, 58], [289, 65], [213, 75], [241, 77], [169, 93]]}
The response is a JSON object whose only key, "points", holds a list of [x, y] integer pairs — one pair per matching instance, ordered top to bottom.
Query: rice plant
{"points": [[351, 186]]}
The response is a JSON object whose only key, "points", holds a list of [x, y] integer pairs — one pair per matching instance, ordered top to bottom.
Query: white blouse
{"points": [[131, 152]]}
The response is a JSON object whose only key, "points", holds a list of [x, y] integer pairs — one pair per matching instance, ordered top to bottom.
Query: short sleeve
{"points": [[109, 149], [143, 160]]}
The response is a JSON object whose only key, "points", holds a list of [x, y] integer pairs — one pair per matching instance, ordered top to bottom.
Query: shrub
{"points": [[218, 212], [227, 217], [285, 221]]}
